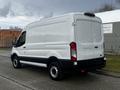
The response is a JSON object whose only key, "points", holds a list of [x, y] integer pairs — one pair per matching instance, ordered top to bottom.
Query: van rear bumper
{"points": [[91, 64]]}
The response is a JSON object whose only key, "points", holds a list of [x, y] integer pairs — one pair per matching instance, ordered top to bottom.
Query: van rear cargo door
{"points": [[88, 37]]}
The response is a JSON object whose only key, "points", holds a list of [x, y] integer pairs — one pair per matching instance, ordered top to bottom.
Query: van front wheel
{"points": [[16, 63], [55, 71]]}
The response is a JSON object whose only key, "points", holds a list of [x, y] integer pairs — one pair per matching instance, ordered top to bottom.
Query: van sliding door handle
{"points": [[24, 47]]}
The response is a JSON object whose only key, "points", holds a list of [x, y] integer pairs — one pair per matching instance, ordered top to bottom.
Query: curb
{"points": [[107, 73]]}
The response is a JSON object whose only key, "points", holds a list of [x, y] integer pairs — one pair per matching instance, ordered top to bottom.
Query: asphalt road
{"points": [[34, 78]]}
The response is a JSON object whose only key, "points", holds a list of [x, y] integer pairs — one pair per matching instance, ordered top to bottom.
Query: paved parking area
{"points": [[5, 52], [34, 78], [6, 84]]}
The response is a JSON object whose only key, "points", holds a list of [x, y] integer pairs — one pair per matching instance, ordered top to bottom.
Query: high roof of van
{"points": [[62, 16]]}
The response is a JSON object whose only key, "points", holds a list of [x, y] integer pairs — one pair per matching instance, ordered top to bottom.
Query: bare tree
{"points": [[118, 1], [105, 7], [15, 28]]}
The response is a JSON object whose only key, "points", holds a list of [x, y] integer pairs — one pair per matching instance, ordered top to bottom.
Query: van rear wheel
{"points": [[16, 63], [55, 71]]}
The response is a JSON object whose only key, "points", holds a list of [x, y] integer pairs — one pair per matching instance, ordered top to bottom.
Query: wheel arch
{"points": [[12, 56], [53, 59]]}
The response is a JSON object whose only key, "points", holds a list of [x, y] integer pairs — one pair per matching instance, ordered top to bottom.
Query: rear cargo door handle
{"points": [[96, 46]]}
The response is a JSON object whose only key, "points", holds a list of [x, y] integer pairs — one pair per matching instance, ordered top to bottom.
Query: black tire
{"points": [[16, 63], [55, 71]]}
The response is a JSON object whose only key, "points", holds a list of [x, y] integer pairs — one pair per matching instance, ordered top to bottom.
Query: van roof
{"points": [[57, 16], [54, 17]]}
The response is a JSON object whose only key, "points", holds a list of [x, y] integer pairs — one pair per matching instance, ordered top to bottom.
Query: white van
{"points": [[69, 42]]}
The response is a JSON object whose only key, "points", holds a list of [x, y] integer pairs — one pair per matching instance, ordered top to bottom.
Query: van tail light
{"points": [[73, 51]]}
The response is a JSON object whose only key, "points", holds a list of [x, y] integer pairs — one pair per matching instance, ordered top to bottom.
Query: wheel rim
{"points": [[15, 62], [54, 71]]}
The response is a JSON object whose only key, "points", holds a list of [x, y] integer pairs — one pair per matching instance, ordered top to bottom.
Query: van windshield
{"points": [[21, 39]]}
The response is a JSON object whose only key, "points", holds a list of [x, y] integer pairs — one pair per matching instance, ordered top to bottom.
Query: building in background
{"points": [[111, 27], [7, 36]]}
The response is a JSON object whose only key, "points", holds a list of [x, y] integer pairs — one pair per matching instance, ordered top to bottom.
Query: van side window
{"points": [[21, 39]]}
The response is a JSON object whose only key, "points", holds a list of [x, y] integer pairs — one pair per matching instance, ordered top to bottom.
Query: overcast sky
{"points": [[22, 12]]}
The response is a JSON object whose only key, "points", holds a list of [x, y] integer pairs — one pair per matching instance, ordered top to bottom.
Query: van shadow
{"points": [[36, 70], [74, 77]]}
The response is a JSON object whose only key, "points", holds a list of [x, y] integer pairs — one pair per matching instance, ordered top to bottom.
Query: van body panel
{"points": [[50, 39], [47, 50]]}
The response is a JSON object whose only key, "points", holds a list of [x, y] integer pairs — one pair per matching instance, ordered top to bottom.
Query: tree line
{"points": [[107, 7]]}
